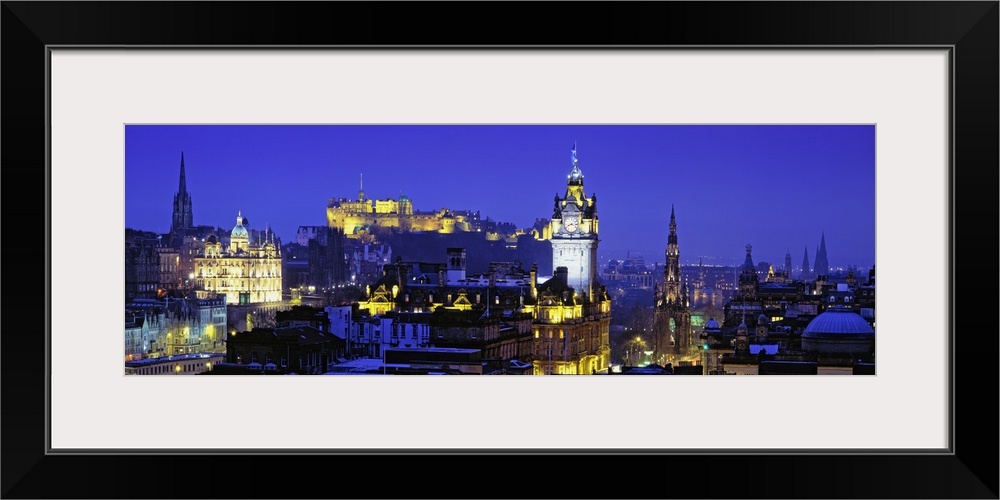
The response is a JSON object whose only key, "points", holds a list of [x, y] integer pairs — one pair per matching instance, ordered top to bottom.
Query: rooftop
{"points": [[171, 359]]}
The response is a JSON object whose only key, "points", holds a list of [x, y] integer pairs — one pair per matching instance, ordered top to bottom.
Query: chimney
{"points": [[563, 272], [403, 273], [533, 280]]}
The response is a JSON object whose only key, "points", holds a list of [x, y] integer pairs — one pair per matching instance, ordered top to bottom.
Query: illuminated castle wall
{"points": [[355, 217]]}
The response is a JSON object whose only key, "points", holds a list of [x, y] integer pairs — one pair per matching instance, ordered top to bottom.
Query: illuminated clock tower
{"points": [[574, 233]]}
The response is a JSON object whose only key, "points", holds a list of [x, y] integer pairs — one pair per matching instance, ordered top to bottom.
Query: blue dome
{"points": [[838, 322], [712, 324]]}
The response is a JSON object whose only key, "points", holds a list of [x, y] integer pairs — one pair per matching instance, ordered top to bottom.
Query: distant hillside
{"points": [[432, 247]]}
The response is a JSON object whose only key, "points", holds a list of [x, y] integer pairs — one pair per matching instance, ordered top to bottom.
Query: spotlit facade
{"points": [[246, 272], [573, 312]]}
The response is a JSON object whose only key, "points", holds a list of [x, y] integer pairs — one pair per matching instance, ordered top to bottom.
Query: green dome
{"points": [[240, 232]]}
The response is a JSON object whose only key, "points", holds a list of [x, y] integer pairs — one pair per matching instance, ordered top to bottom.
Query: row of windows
{"points": [[167, 369]]}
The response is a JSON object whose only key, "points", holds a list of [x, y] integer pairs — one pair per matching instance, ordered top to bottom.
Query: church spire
{"points": [[182, 187], [182, 218], [805, 262], [822, 263], [672, 271]]}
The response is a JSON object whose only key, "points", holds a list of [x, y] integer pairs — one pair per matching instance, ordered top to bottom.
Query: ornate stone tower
{"points": [[183, 218], [574, 233], [672, 272], [748, 278], [672, 314]]}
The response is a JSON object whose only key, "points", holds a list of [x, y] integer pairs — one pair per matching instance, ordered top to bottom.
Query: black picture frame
{"points": [[970, 28]]}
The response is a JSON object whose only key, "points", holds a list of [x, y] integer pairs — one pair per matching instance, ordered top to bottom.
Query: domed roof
{"points": [[239, 231], [212, 239], [762, 318], [838, 321], [712, 324]]}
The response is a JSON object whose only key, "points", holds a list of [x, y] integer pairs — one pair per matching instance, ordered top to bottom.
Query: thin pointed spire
{"points": [[575, 173], [182, 186], [182, 218], [822, 265]]}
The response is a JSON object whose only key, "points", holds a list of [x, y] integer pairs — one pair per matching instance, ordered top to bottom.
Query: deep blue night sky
{"points": [[776, 187]]}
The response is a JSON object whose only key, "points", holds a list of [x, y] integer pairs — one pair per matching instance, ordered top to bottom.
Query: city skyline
{"points": [[777, 187]]}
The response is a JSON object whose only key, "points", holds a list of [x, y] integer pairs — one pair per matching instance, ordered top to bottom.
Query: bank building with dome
{"points": [[247, 272]]}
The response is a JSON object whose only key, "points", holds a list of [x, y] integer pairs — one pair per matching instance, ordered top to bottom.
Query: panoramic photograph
{"points": [[483, 250]]}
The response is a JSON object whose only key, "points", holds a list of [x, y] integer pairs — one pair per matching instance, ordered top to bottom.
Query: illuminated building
{"points": [[361, 218], [574, 227], [365, 261], [247, 273], [628, 273], [711, 285], [419, 304], [573, 311], [672, 315], [561, 326], [801, 327], [156, 328], [571, 332], [181, 364]]}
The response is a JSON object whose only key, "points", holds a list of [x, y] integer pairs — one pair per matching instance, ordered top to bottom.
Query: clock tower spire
{"points": [[574, 232]]}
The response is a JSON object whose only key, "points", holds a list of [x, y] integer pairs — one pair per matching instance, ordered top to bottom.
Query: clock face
{"points": [[571, 223], [741, 344]]}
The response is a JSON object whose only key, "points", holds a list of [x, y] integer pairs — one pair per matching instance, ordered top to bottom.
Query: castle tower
{"points": [[183, 218], [574, 233], [672, 312]]}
